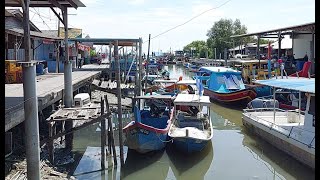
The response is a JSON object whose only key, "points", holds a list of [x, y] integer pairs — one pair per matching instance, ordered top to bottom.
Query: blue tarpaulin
{"points": [[293, 83]]}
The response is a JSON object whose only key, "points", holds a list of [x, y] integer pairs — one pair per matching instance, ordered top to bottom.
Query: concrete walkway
{"points": [[49, 90]]}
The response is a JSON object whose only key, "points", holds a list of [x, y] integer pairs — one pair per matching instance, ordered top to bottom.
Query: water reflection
{"points": [[279, 163], [153, 165], [193, 166]]}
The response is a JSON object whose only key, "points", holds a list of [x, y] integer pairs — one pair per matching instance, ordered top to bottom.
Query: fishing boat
{"points": [[225, 85], [285, 99], [148, 131], [292, 131], [191, 132]]}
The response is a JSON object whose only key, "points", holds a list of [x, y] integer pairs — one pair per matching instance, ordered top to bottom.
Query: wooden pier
{"points": [[50, 89]]}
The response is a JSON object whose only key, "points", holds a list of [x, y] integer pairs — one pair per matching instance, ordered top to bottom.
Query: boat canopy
{"points": [[219, 70], [165, 80], [187, 82], [298, 84], [155, 97], [192, 100]]}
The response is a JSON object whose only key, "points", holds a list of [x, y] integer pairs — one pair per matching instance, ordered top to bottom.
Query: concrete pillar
{"points": [[67, 65], [68, 96], [30, 104]]}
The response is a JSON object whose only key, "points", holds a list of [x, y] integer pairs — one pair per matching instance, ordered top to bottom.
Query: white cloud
{"points": [[136, 2]]}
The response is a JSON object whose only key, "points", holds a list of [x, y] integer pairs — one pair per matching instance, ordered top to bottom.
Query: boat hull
{"points": [[243, 96], [144, 139], [189, 145]]}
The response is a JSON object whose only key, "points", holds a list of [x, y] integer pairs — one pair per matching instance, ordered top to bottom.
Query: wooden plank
{"points": [[75, 128]]}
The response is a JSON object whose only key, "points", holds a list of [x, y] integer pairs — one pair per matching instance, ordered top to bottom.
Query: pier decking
{"points": [[49, 90]]}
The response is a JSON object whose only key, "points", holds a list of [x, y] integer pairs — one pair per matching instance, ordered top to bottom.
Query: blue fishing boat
{"points": [[225, 85], [148, 131], [191, 131]]}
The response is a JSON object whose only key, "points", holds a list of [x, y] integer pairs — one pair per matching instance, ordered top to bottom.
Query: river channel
{"points": [[233, 154]]}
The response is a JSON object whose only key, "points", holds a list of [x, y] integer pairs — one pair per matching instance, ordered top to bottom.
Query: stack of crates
{"points": [[10, 69], [13, 72]]}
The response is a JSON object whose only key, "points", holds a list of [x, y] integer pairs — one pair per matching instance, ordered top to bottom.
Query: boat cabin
{"points": [[221, 79], [82, 99]]}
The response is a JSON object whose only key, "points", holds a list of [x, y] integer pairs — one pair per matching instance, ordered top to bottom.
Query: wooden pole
{"points": [[7, 40], [15, 50], [116, 55], [57, 57], [140, 66], [147, 68], [110, 134], [103, 137], [50, 144]]}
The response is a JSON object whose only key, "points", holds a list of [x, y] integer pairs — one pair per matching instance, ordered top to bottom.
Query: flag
{"points": [[199, 85]]}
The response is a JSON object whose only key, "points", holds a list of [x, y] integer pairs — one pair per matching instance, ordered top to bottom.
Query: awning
{"points": [[292, 83]]}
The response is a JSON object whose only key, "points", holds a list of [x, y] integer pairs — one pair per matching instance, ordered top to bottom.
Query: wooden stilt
{"points": [[110, 128], [103, 136], [50, 144]]}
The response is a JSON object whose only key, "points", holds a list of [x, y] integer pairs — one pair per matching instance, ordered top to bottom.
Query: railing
{"points": [[289, 133]]}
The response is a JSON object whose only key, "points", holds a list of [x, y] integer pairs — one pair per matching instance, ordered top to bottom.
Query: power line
{"points": [[190, 19]]}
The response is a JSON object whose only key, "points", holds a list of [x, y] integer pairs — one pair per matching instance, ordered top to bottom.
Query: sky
{"points": [[139, 18]]}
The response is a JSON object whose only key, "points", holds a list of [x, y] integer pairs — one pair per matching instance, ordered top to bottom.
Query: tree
{"points": [[219, 35], [200, 48]]}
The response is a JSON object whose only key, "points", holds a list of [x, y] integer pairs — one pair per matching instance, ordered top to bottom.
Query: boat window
{"points": [[86, 101], [77, 103]]}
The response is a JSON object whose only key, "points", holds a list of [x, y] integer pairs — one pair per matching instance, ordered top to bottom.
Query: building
{"points": [[42, 44]]}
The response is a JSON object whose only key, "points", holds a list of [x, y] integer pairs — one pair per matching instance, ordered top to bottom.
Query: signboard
{"points": [[83, 47]]}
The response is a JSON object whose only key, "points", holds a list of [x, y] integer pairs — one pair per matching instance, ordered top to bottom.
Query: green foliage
{"points": [[219, 35], [200, 48]]}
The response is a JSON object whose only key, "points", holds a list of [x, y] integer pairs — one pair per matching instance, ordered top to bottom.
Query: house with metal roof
{"points": [[42, 43]]}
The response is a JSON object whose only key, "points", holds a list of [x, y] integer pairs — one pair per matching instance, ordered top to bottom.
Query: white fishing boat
{"points": [[191, 131], [292, 131]]}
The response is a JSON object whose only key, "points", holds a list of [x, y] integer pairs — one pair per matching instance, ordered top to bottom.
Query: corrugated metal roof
{"points": [[46, 3], [301, 27], [32, 34]]}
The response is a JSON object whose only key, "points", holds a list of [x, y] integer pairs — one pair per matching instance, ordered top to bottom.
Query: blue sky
{"points": [[138, 18]]}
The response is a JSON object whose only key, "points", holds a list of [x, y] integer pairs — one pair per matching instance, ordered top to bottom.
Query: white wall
{"points": [[301, 45]]}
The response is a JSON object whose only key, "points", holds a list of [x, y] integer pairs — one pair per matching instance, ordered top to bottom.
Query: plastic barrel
{"points": [[39, 68]]}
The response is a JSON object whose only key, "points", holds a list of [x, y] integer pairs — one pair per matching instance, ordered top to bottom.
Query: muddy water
{"points": [[232, 154]]}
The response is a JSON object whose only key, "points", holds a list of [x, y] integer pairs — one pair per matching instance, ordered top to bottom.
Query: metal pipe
{"points": [[258, 53], [117, 61], [30, 104], [274, 105], [299, 105]]}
